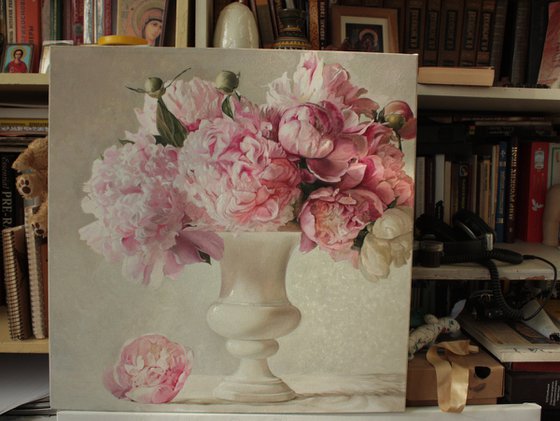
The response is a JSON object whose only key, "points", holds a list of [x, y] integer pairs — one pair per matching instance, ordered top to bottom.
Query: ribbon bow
{"points": [[451, 373]]}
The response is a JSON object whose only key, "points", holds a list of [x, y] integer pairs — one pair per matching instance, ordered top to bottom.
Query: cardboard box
{"points": [[486, 380]]}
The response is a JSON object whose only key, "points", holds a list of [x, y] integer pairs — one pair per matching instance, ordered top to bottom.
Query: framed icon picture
{"points": [[142, 19], [365, 29], [17, 58]]}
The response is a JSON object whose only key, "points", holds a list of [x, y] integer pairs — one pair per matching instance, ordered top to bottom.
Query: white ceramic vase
{"points": [[236, 28], [252, 311]]}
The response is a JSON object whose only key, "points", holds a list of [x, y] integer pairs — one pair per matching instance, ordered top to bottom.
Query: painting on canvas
{"points": [[230, 230]]}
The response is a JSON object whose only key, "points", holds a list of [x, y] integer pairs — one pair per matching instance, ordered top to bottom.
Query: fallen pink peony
{"points": [[151, 369]]}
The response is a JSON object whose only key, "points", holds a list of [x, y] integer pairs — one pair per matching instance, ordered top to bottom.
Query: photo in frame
{"points": [[142, 19], [367, 29], [17, 58], [274, 324]]}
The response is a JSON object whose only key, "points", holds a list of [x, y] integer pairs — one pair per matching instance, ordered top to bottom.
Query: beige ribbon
{"points": [[452, 373]]}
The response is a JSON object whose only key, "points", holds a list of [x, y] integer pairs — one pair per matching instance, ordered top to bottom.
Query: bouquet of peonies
{"points": [[206, 159]]}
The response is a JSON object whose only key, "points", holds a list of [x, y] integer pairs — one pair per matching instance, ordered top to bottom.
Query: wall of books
{"points": [[517, 38]]}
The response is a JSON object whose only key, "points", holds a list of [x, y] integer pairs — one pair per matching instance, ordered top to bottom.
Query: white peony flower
{"points": [[389, 241]]}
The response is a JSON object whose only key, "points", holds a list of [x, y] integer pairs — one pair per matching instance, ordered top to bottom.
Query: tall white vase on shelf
{"points": [[236, 27], [252, 311]]}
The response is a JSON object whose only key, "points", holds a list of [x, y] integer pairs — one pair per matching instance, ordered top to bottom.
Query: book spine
{"points": [[400, 7], [46, 15], [11, 21], [77, 21], [89, 22], [414, 22], [313, 24], [28, 28], [485, 32], [266, 33], [431, 33], [450, 33], [324, 34], [537, 34], [498, 36], [469, 38], [520, 43], [549, 71], [553, 164], [439, 185], [511, 189], [532, 190], [419, 193], [501, 193], [12, 203], [17, 290], [36, 292], [540, 388]]}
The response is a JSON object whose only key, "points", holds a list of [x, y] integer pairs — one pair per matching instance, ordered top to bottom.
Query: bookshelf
{"points": [[528, 270], [29, 346]]}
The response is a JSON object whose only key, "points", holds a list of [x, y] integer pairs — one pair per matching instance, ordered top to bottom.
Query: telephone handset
{"points": [[470, 239]]}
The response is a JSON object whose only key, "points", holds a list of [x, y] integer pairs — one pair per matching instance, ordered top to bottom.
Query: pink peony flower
{"points": [[189, 101], [383, 174], [241, 179], [141, 217], [333, 219], [151, 369]]}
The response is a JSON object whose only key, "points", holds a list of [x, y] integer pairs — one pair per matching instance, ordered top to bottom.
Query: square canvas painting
{"points": [[230, 230]]}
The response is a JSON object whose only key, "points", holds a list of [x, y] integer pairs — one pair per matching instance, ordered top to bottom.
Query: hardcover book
{"points": [[485, 32], [431, 33], [450, 33], [469, 38], [549, 73], [190, 156], [532, 173], [511, 341]]}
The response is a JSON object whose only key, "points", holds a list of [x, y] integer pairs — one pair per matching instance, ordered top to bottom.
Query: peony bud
{"points": [[227, 81], [154, 87]]}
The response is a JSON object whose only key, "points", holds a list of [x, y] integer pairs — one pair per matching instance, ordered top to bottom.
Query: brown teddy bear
{"points": [[32, 164]]}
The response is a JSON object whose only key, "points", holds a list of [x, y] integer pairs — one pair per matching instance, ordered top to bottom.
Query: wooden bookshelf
{"points": [[28, 346]]}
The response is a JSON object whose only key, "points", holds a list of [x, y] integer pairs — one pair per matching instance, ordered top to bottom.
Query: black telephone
{"points": [[470, 239]]}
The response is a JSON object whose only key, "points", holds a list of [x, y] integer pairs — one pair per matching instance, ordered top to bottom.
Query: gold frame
{"points": [[379, 22]]}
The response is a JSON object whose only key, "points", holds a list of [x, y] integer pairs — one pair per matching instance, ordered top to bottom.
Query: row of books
{"points": [[508, 35], [499, 169], [23, 273], [530, 357]]}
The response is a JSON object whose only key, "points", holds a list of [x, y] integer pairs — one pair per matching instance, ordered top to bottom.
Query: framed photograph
{"points": [[142, 19], [365, 29], [17, 58], [45, 62]]}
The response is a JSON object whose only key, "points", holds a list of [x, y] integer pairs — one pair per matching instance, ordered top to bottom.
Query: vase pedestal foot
{"points": [[254, 382]]}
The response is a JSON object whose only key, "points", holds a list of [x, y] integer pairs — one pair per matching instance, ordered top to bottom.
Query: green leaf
{"points": [[226, 108], [170, 129], [125, 141], [205, 257]]}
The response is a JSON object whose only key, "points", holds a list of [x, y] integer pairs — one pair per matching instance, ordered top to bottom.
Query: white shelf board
{"points": [[461, 98], [529, 269], [521, 412]]}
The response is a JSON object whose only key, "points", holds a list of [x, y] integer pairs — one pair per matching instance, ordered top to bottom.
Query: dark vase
{"points": [[292, 35]]}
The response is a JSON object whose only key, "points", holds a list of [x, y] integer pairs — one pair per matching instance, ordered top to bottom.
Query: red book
{"points": [[28, 27], [532, 189], [531, 366]]}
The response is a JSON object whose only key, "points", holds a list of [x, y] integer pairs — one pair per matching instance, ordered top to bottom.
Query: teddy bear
{"points": [[31, 183]]}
